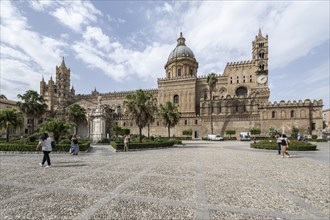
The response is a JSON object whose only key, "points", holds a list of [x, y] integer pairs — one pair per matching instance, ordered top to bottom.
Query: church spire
{"points": [[259, 34], [63, 63]]}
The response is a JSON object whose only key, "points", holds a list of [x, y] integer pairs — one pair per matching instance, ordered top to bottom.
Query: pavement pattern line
{"points": [[203, 156], [201, 200], [94, 208], [315, 214]]}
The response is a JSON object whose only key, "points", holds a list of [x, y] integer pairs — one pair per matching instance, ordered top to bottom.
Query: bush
{"points": [[314, 136], [33, 137], [230, 138], [319, 140], [64, 141], [104, 141], [294, 145], [119, 146], [32, 147]]}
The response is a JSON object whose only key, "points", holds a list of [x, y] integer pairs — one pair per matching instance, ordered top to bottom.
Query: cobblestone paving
{"points": [[200, 180]]}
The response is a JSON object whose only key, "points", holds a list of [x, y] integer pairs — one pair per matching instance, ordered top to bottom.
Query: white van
{"points": [[245, 136], [213, 137]]}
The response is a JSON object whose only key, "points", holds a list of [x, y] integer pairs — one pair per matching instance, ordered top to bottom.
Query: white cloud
{"points": [[41, 5], [76, 14], [301, 27], [96, 34], [25, 54], [116, 61]]}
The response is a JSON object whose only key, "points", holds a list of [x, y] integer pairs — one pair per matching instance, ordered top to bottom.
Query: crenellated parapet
{"points": [[240, 64], [175, 78], [113, 95], [300, 103]]}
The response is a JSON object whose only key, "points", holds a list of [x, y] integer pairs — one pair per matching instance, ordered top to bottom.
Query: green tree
{"points": [[211, 81], [2, 96], [32, 105], [136, 106], [152, 111], [76, 114], [169, 114], [10, 118], [56, 128], [116, 129], [255, 131], [187, 132], [230, 132], [273, 132], [294, 132]]}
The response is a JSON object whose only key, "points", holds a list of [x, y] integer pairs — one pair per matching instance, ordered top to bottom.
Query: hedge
{"points": [[294, 145], [119, 146], [32, 147]]}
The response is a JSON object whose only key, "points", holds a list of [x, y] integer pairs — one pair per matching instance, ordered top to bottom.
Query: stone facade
{"points": [[240, 97]]}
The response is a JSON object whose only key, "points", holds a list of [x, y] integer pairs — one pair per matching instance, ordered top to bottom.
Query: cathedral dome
{"points": [[181, 50]]}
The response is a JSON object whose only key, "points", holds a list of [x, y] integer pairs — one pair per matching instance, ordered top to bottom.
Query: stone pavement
{"points": [[200, 180]]}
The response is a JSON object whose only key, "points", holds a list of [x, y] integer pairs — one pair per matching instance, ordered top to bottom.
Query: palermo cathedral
{"points": [[240, 99]]}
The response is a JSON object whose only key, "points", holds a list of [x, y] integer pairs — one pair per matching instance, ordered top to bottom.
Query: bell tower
{"points": [[260, 57]]}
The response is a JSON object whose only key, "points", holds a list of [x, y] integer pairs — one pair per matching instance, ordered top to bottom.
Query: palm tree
{"points": [[211, 81], [2, 96], [33, 105], [136, 106], [152, 110], [76, 114], [169, 115], [10, 118], [56, 127]]}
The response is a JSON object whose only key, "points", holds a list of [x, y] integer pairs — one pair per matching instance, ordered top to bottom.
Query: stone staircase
{"points": [[101, 149]]}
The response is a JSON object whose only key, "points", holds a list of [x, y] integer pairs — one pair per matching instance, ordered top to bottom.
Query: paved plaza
{"points": [[199, 180]]}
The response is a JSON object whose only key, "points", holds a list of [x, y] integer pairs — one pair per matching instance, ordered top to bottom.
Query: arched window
{"points": [[179, 72], [191, 72], [169, 74], [241, 91], [205, 95], [176, 99], [219, 107], [236, 107], [118, 109], [273, 114], [292, 114], [196, 121], [185, 122], [157, 123], [124, 124]]}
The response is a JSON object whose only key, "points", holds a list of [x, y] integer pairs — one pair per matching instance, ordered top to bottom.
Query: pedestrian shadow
{"points": [[295, 156], [69, 164]]}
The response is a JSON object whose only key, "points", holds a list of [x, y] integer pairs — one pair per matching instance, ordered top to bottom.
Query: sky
{"points": [[123, 45]]}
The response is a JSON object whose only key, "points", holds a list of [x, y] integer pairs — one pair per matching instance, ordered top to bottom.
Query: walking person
{"points": [[126, 142], [279, 142], [45, 144], [74, 144], [284, 145]]}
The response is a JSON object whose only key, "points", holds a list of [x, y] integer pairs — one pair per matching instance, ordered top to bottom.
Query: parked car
{"points": [[245, 136], [213, 137]]}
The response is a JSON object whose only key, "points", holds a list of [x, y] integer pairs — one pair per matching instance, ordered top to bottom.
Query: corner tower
{"points": [[181, 62]]}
